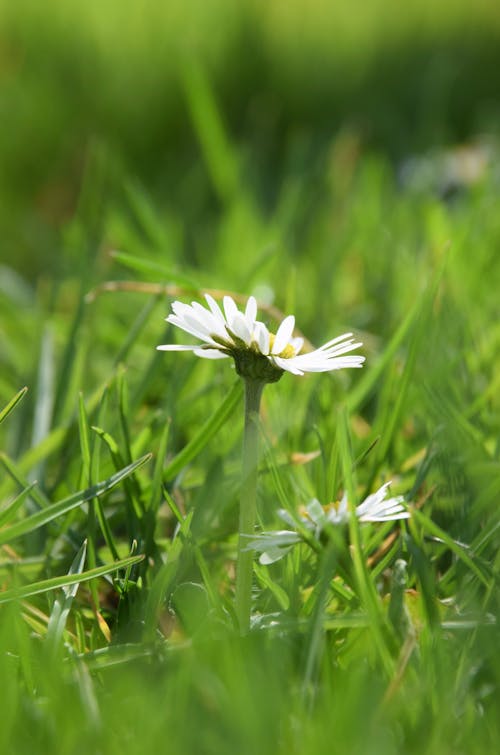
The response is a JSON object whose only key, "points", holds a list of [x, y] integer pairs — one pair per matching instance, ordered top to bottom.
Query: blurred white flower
{"points": [[258, 353], [375, 508]]}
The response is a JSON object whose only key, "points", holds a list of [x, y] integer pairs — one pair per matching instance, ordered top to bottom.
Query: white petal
{"points": [[180, 308], [215, 309], [230, 309], [186, 311], [251, 311], [193, 319], [209, 321], [186, 326], [190, 326], [239, 327], [283, 335], [261, 336], [334, 341], [297, 344], [175, 347], [341, 348], [210, 354], [317, 362], [288, 365], [377, 508], [316, 512], [339, 514], [402, 514], [286, 517], [335, 517], [271, 555]]}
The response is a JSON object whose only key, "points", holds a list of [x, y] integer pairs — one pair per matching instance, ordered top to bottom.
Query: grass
{"points": [[120, 466], [394, 653]]}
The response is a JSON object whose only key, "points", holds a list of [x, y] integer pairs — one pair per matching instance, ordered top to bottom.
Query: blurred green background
{"points": [[194, 100]]}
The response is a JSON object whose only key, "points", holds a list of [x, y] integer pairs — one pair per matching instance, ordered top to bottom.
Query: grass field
{"points": [[120, 466]]}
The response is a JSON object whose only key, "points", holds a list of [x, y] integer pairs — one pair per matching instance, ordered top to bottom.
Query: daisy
{"points": [[258, 353], [260, 357], [375, 508]]}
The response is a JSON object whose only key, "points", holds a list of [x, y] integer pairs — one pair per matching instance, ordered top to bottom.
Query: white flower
{"points": [[258, 354], [375, 508]]}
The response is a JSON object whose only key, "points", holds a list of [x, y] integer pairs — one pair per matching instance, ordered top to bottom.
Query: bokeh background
{"points": [[194, 100]]}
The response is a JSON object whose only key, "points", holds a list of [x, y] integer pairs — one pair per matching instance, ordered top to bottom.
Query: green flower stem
{"points": [[248, 502]]}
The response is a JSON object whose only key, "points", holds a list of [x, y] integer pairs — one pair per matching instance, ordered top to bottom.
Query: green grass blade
{"points": [[219, 156], [155, 270], [137, 327], [367, 382], [45, 389], [4, 413], [83, 428], [206, 433], [84, 435], [157, 482], [132, 490], [37, 496], [67, 504], [13, 507], [457, 548], [66, 581], [163, 582], [366, 587], [62, 606]]}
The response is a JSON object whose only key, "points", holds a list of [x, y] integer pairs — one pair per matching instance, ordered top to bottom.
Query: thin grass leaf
{"points": [[219, 156], [147, 218], [157, 271], [137, 327], [369, 378], [44, 390], [62, 397], [123, 412], [4, 413], [83, 428], [83, 431], [206, 433], [56, 438], [272, 466], [157, 482], [132, 490], [37, 496], [67, 504], [96, 504], [13, 507], [457, 548], [386, 560], [422, 566], [208, 581], [163, 583], [46, 585], [366, 587], [274, 588], [62, 606], [315, 639], [115, 655]]}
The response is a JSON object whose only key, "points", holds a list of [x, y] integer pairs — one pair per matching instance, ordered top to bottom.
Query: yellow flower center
{"points": [[287, 353]]}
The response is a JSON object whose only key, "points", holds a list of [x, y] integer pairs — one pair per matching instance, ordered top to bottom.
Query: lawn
{"points": [[152, 157]]}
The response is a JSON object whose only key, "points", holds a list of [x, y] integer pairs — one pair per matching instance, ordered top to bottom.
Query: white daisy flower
{"points": [[258, 353], [375, 508]]}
